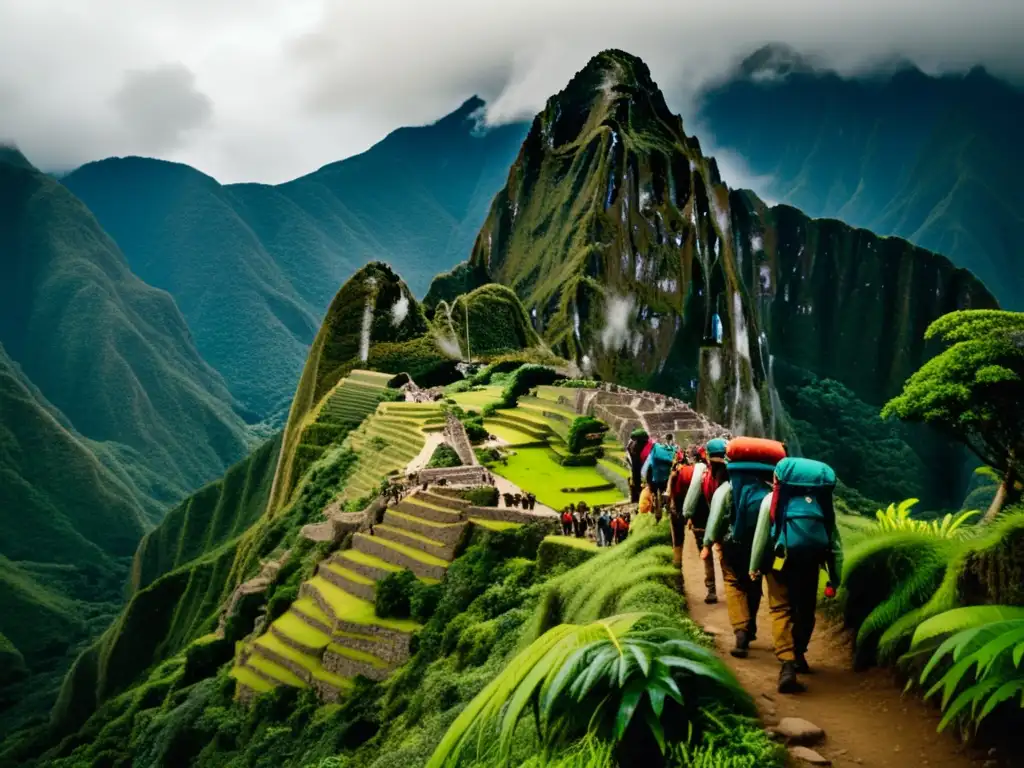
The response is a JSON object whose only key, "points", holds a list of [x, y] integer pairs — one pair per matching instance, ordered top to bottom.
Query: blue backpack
{"points": [[662, 457], [750, 481], [803, 515]]}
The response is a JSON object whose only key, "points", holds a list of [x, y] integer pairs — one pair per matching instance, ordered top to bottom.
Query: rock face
{"points": [[634, 260], [796, 730]]}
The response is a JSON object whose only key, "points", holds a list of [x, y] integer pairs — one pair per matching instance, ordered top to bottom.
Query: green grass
{"points": [[477, 398], [508, 433], [615, 466], [533, 468], [421, 502], [420, 520], [494, 525], [412, 535], [571, 541], [412, 552], [369, 560], [350, 575], [352, 609], [293, 626], [355, 655], [309, 663], [276, 671], [249, 678]]}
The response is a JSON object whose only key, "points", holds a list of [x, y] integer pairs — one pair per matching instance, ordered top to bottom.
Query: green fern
{"points": [[897, 518], [980, 661], [606, 679]]}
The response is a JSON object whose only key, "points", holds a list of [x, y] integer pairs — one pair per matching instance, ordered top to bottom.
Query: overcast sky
{"points": [[267, 90]]}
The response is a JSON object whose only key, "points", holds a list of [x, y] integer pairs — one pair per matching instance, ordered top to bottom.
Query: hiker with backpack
{"points": [[635, 452], [657, 469], [708, 473], [678, 484], [732, 521], [566, 522], [796, 536]]}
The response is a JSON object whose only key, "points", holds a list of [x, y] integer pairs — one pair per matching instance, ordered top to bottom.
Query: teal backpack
{"points": [[662, 457], [750, 482], [803, 516]]}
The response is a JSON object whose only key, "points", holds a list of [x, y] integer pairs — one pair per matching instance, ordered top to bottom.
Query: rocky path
{"points": [[865, 719]]}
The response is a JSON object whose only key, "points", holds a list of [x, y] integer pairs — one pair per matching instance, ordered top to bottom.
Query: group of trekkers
{"points": [[527, 500], [767, 515], [608, 529]]}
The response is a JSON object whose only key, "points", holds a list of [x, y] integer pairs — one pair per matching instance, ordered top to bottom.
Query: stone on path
{"points": [[796, 730], [808, 756]]}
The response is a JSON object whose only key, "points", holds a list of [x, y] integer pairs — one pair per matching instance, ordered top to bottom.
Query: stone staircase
{"points": [[331, 634]]}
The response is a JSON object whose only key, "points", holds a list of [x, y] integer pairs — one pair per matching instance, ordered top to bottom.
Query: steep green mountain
{"points": [[936, 160], [642, 266], [253, 267], [485, 322], [111, 353]]}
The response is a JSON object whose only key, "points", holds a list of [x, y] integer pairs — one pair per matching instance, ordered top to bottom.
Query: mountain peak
{"points": [[774, 61], [468, 111], [11, 155]]}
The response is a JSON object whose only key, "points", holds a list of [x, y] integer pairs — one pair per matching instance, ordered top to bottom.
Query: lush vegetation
{"points": [[498, 324], [974, 391], [585, 432], [444, 456]]}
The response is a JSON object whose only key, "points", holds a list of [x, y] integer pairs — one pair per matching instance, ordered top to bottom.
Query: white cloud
{"points": [[295, 85]]}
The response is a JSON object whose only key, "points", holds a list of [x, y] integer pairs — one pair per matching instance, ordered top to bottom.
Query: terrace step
{"points": [[526, 426], [440, 500], [418, 506], [446, 533], [407, 538], [401, 555], [366, 565], [352, 582], [312, 614], [353, 614], [293, 630], [347, 662], [272, 673], [245, 677]]}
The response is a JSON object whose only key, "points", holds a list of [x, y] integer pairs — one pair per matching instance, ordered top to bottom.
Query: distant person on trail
{"points": [[638, 441], [657, 468], [707, 474], [507, 497], [531, 501], [566, 522], [604, 529], [620, 529], [796, 536]]}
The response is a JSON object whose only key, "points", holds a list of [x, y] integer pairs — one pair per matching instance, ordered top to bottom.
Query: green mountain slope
{"points": [[936, 160], [642, 266], [253, 267], [111, 353]]}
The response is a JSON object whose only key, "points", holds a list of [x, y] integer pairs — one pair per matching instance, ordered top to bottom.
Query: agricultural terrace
{"points": [[536, 430]]}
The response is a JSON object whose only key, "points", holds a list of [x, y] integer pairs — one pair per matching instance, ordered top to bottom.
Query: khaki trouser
{"points": [[677, 524], [709, 564], [742, 595], [792, 600]]}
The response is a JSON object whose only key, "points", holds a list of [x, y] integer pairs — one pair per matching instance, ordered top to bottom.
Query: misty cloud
{"points": [[299, 84], [160, 105]]}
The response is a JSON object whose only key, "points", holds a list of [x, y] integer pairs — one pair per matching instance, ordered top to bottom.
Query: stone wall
{"points": [[455, 435]]}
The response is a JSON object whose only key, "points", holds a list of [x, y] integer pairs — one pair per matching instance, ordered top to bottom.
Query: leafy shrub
{"points": [[523, 380], [578, 383], [489, 410], [475, 429], [585, 432], [325, 433], [487, 455], [444, 456], [578, 460], [484, 496], [897, 518], [394, 594], [423, 601], [984, 652], [203, 659], [607, 679]]}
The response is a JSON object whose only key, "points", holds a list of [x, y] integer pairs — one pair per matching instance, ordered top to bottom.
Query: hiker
{"points": [[638, 441], [656, 470], [707, 475], [678, 484], [508, 498], [531, 501], [646, 504], [733, 518], [566, 522], [604, 528], [620, 529], [796, 536]]}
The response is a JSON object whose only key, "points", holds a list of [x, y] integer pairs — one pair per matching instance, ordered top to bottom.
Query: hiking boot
{"points": [[711, 598], [752, 631], [742, 649], [801, 665], [787, 679]]}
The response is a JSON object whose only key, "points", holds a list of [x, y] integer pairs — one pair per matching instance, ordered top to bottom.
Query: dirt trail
{"points": [[866, 720]]}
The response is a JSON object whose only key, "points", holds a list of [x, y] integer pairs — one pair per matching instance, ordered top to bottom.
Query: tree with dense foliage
{"points": [[974, 390]]}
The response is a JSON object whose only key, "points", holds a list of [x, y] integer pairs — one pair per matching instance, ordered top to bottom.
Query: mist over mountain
{"points": [[934, 159]]}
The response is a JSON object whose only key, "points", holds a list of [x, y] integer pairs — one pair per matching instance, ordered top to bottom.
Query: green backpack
{"points": [[750, 482], [803, 516]]}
